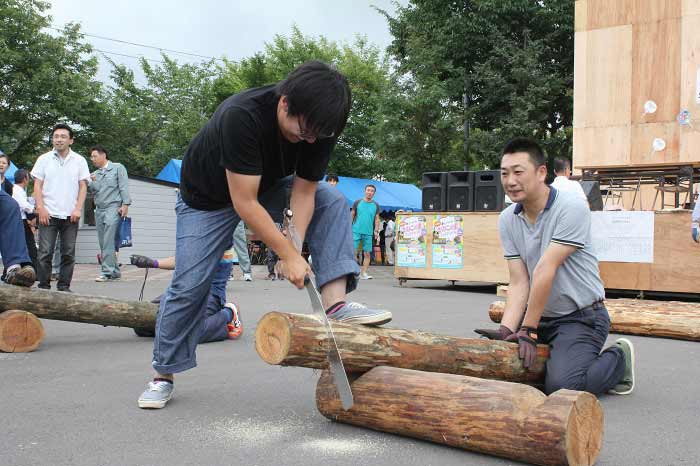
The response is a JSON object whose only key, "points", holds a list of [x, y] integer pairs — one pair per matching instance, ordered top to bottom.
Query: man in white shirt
{"points": [[562, 170], [60, 186], [19, 194]]}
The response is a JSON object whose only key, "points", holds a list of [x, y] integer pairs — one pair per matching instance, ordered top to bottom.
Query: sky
{"points": [[236, 29]]}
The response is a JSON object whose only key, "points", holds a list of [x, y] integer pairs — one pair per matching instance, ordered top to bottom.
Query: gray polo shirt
{"points": [[566, 219]]}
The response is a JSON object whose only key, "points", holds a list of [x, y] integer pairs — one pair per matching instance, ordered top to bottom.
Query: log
{"points": [[79, 308], [666, 319], [20, 332], [300, 340], [498, 418]]}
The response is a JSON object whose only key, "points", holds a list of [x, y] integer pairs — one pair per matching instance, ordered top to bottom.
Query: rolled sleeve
{"points": [[573, 225], [510, 251]]}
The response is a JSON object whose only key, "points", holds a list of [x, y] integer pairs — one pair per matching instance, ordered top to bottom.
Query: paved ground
{"points": [[73, 401]]}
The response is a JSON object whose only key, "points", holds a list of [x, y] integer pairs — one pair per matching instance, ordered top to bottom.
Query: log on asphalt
{"points": [[75, 307], [666, 319], [20, 331], [301, 340], [498, 418]]}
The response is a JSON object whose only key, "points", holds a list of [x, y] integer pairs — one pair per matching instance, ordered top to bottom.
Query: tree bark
{"points": [[79, 308], [667, 319], [20, 332], [300, 340], [488, 416]]}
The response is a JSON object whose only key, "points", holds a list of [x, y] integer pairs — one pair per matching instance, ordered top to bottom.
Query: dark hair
{"points": [[319, 93], [63, 126], [526, 145], [99, 149], [5, 156], [561, 164], [21, 175], [332, 177], [371, 186]]}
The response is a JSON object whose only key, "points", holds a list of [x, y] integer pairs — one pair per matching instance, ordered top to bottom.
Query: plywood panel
{"points": [[691, 7], [649, 11], [609, 13], [581, 15], [656, 70], [608, 76], [580, 84], [643, 137], [602, 146], [678, 263]]}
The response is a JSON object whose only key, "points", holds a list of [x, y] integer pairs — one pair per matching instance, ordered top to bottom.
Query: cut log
{"points": [[79, 308], [667, 319], [20, 332], [300, 340], [498, 418]]}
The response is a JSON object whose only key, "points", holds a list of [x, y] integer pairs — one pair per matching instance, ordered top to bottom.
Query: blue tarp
{"points": [[171, 172], [10, 173], [389, 196]]}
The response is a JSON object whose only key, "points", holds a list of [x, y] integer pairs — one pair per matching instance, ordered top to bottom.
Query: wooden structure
{"points": [[628, 52], [675, 269], [79, 308], [667, 319], [20, 332], [300, 340], [487, 416]]}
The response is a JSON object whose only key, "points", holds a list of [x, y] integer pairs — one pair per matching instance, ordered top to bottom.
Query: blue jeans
{"points": [[200, 241], [240, 245], [13, 246], [214, 328], [575, 361]]}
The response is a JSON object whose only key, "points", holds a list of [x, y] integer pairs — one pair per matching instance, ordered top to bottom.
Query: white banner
{"points": [[623, 236]]}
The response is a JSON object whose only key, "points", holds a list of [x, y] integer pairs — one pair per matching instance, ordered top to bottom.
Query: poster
{"points": [[623, 236], [410, 241], [448, 244]]}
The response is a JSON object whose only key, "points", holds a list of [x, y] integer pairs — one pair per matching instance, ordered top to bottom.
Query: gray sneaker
{"points": [[356, 313], [626, 385], [156, 395]]}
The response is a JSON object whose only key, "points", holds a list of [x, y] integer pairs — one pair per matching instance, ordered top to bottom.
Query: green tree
{"points": [[512, 59], [44, 79]]}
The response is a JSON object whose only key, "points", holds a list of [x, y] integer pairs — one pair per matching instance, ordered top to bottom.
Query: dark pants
{"points": [[47, 241], [31, 243], [12, 244], [575, 361]]}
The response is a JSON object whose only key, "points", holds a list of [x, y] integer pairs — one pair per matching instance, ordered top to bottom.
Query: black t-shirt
{"points": [[243, 136]]}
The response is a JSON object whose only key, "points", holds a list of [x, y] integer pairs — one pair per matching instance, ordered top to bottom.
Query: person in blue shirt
{"points": [[695, 223], [365, 226]]}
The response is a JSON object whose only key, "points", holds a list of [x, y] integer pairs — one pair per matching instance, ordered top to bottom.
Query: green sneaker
{"points": [[626, 385]]}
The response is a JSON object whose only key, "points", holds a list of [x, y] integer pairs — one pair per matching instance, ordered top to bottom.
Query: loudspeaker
{"points": [[434, 189], [460, 191], [488, 191], [592, 191]]}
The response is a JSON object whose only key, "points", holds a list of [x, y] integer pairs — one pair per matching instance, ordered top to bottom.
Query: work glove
{"points": [[695, 231], [143, 262], [494, 334], [526, 338]]}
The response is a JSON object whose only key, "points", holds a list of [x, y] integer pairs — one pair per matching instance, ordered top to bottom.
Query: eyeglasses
{"points": [[307, 135]]}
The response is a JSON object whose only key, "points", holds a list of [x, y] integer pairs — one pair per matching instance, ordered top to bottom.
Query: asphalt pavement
{"points": [[73, 401]]}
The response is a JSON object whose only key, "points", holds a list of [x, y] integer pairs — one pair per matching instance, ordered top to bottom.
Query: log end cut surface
{"points": [[20, 332], [273, 337], [585, 430]]}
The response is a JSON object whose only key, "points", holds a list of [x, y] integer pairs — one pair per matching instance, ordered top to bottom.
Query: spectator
{"points": [[562, 170], [332, 179], [5, 184], [109, 184], [60, 186], [19, 194], [695, 222], [365, 226], [240, 245], [389, 245], [15, 258], [222, 318]]}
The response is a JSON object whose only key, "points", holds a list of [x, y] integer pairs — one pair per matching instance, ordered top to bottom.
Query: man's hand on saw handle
{"points": [[295, 269]]}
